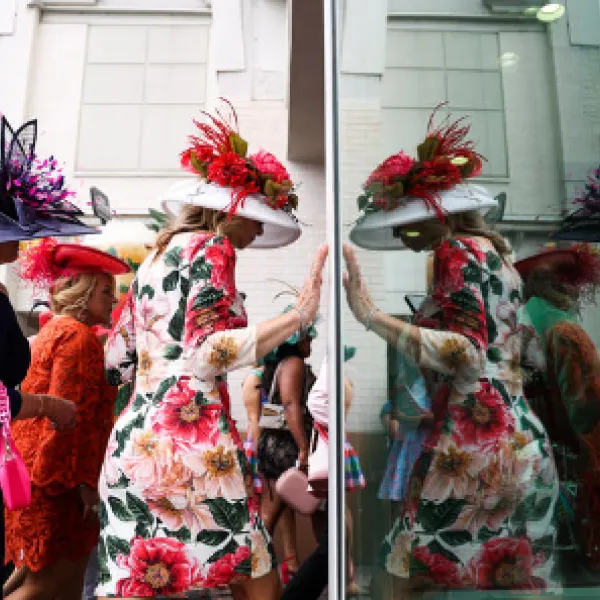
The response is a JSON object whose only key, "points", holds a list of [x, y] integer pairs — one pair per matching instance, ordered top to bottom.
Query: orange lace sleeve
{"points": [[75, 371]]}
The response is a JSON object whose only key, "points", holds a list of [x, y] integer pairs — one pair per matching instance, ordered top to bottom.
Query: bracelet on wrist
{"points": [[369, 319], [303, 322]]}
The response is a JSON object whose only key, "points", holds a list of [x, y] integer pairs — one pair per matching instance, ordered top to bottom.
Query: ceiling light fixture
{"points": [[551, 12], [509, 61]]}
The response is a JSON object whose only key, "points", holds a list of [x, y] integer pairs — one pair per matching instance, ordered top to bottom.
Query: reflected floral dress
{"points": [[177, 505], [480, 512]]}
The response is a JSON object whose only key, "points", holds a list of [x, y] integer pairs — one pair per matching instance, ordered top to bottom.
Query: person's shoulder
{"points": [[205, 244], [69, 329]]}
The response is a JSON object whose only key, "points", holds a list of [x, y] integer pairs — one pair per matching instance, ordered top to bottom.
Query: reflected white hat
{"points": [[255, 186], [403, 190], [279, 227], [374, 231]]}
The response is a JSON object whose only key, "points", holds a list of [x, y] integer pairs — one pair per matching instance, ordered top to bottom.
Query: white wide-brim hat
{"points": [[279, 228], [374, 231]]}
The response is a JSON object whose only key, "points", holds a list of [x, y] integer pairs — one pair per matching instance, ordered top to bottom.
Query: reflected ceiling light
{"points": [[551, 12], [509, 60]]}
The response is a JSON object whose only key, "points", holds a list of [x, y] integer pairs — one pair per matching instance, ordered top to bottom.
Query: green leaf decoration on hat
{"points": [[239, 144], [427, 149]]}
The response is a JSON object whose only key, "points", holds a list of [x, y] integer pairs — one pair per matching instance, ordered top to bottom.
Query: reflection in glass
{"points": [[472, 449], [477, 509]]}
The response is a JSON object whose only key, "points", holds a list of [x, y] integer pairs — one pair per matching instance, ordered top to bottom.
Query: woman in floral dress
{"points": [[482, 495], [178, 510]]}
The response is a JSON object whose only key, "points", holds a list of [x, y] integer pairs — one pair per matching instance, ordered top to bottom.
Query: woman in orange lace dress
{"points": [[50, 541]]}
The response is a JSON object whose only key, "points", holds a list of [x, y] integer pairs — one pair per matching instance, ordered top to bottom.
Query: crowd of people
{"points": [[492, 431]]}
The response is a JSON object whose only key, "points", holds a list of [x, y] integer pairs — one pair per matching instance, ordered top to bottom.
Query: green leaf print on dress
{"points": [[173, 482], [485, 487], [229, 515], [212, 537]]}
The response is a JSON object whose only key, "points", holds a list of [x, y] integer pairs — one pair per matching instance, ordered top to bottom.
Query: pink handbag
{"points": [[318, 464], [14, 477], [292, 487]]}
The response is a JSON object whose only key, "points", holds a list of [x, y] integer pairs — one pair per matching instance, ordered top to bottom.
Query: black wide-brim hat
{"points": [[24, 216], [36, 227]]}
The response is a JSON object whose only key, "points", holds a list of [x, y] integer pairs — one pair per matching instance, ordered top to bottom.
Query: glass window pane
{"points": [[470, 298]]}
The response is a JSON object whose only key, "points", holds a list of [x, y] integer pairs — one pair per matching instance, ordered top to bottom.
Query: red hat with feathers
{"points": [[218, 154], [444, 159], [46, 261], [578, 266]]}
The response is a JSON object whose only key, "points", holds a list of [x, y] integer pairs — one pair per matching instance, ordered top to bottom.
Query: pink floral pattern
{"points": [[184, 417], [483, 419], [484, 490], [175, 510], [506, 563], [157, 566]]}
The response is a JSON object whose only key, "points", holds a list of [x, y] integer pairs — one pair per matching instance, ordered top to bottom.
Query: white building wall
{"points": [[91, 72]]}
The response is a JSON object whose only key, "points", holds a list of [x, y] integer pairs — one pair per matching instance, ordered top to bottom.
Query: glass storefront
{"points": [[477, 426]]}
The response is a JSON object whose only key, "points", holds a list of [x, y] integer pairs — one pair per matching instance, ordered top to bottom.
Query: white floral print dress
{"points": [[177, 508], [481, 508]]}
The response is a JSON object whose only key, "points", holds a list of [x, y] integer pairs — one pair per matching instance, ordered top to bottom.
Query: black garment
{"points": [[15, 357], [277, 450], [312, 576]]}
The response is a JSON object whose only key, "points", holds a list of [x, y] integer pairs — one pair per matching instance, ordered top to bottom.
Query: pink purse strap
{"points": [[4, 407], [5, 421]]}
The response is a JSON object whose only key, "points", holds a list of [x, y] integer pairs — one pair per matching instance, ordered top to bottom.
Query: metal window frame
{"points": [[337, 492]]}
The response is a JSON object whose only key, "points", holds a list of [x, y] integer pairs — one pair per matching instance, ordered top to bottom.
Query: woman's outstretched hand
{"points": [[310, 294], [359, 299]]}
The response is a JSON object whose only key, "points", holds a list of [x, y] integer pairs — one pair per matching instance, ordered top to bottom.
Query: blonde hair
{"points": [[196, 218], [472, 224], [70, 295]]}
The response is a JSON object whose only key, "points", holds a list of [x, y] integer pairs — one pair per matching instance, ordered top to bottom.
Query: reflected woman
{"points": [[567, 398], [480, 506]]}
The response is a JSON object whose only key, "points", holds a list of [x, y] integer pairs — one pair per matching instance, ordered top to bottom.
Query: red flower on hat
{"points": [[195, 155], [219, 155], [445, 159], [269, 166], [392, 169], [230, 170], [36, 262]]}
